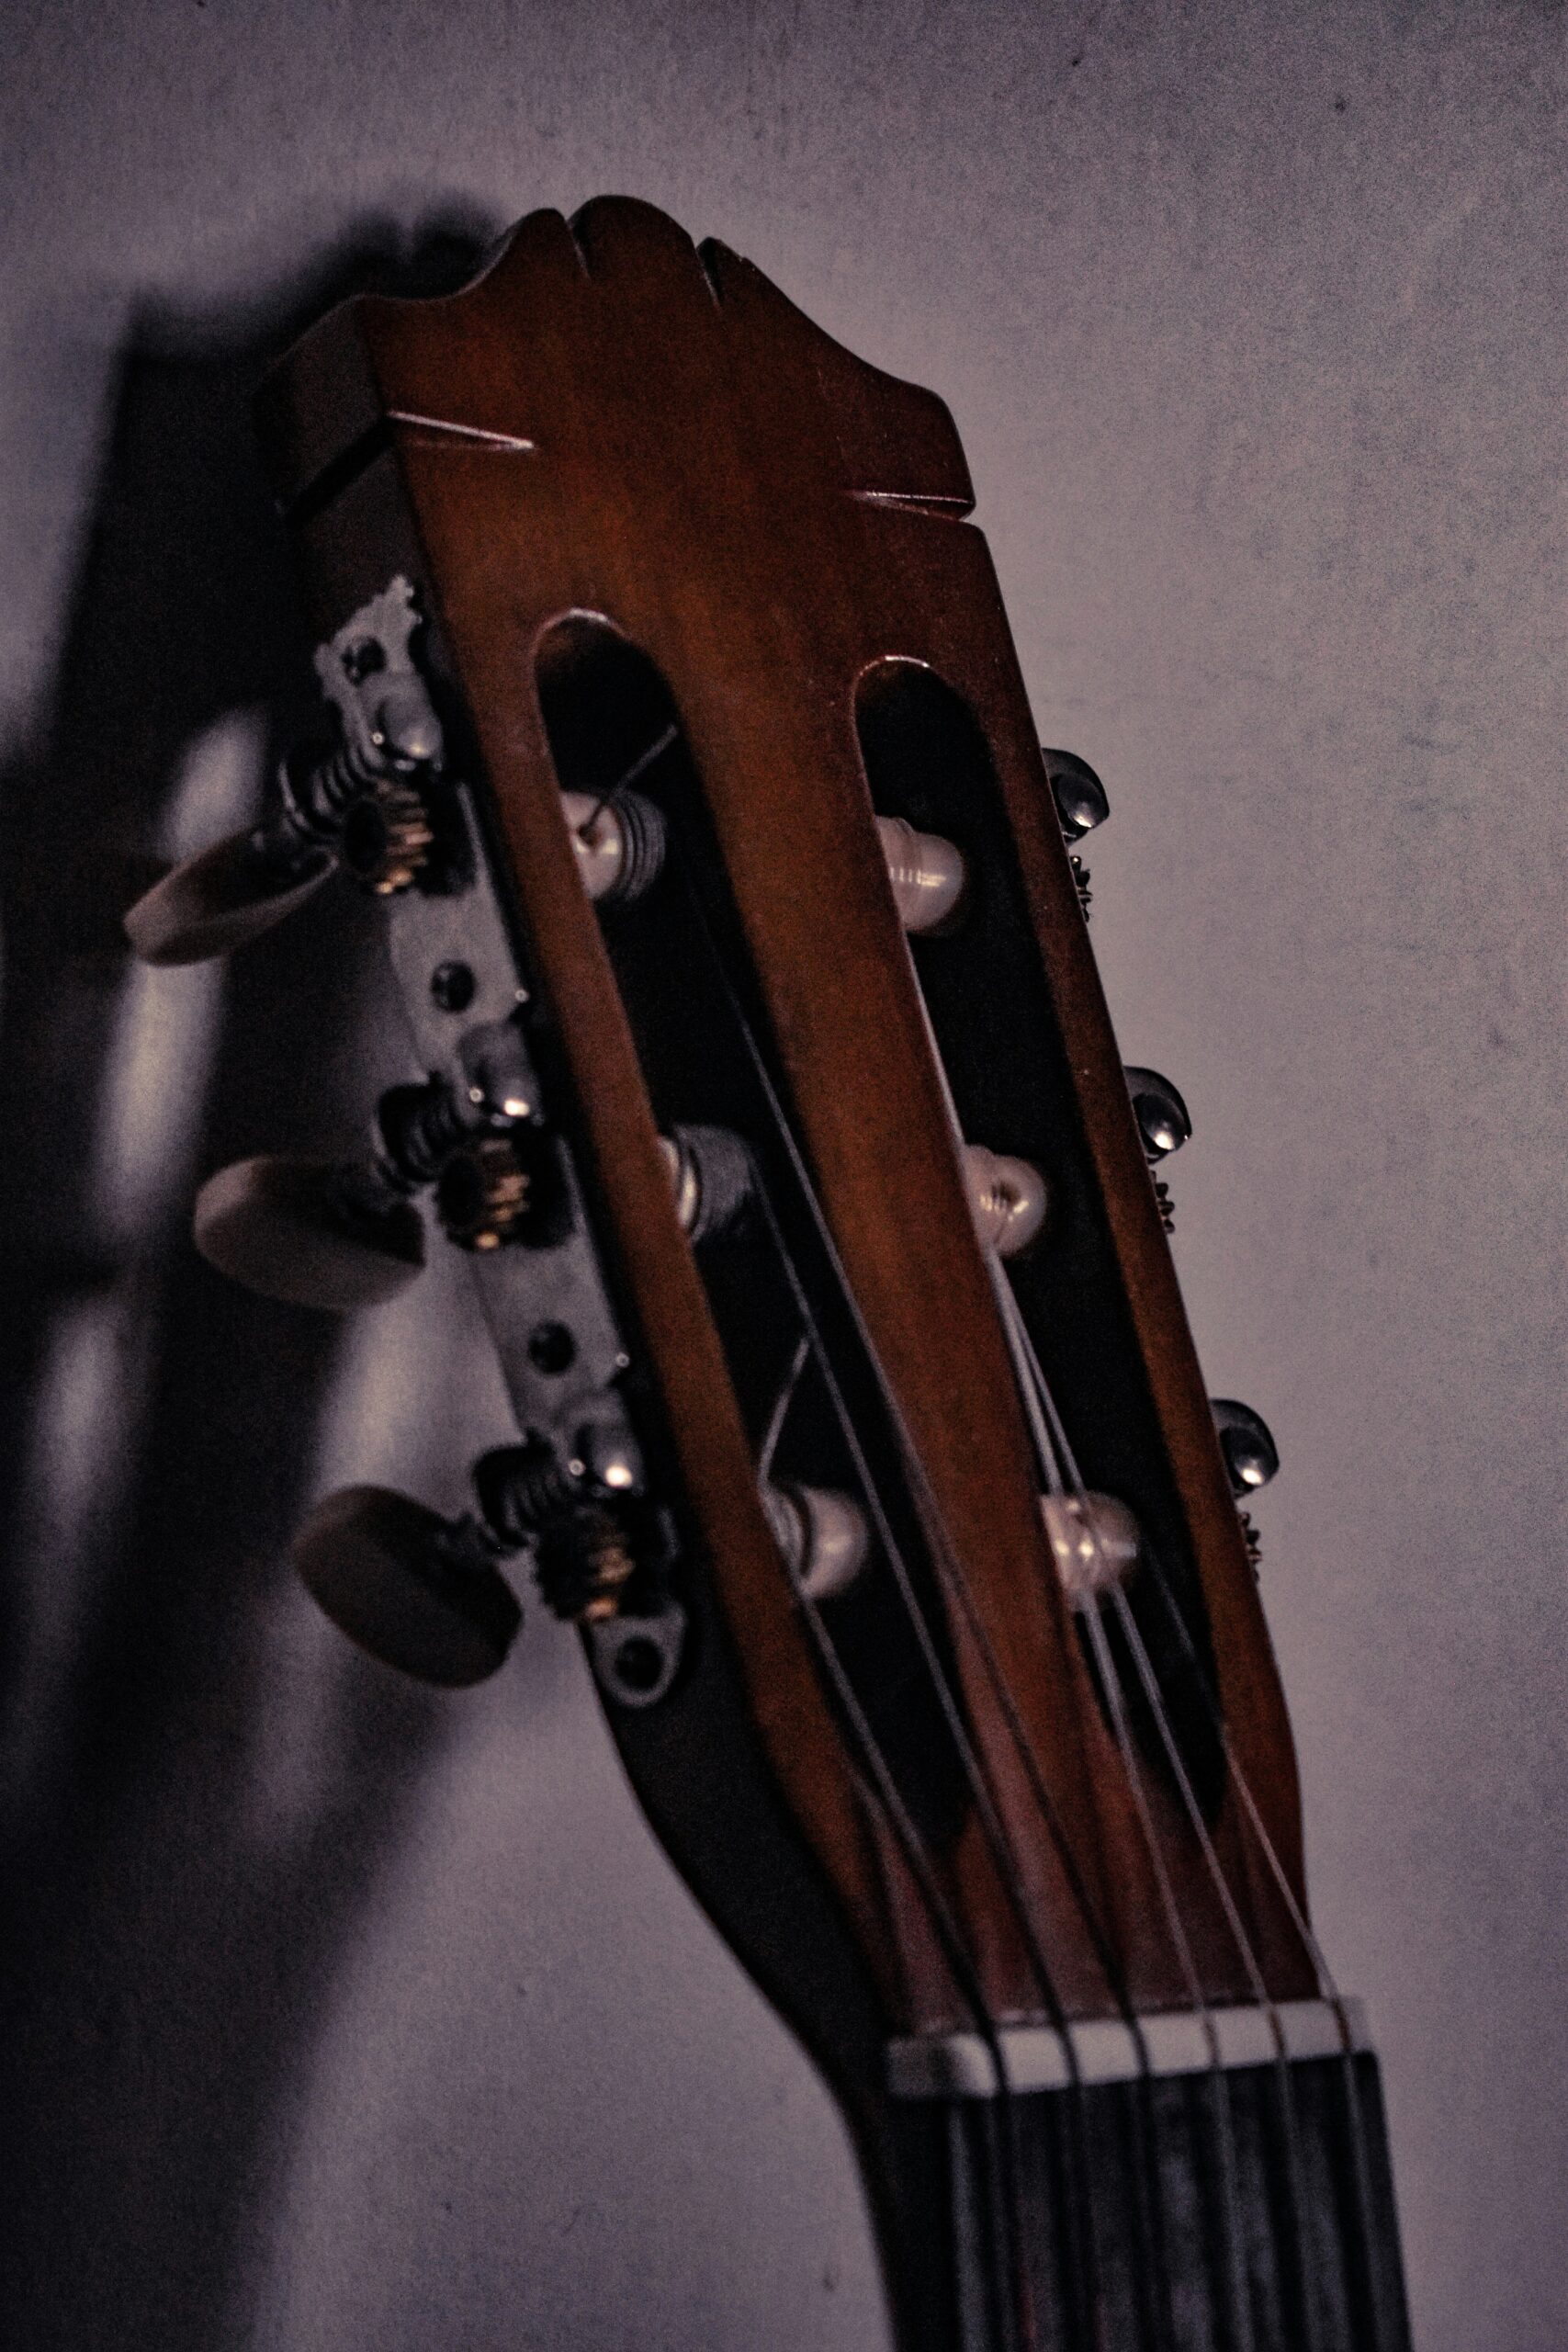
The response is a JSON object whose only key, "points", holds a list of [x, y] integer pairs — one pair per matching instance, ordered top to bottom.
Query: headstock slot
{"points": [[928, 762]]}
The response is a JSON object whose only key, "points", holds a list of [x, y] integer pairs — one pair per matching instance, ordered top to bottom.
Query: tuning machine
{"points": [[1081, 804], [364, 805], [1164, 1125], [345, 1233], [1251, 1457], [426, 1594]]}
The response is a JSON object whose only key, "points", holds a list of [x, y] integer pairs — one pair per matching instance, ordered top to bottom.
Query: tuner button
{"points": [[1079, 795], [928, 874], [221, 899], [1163, 1125], [482, 1193], [1007, 1196], [294, 1229], [1251, 1454], [822, 1536], [416, 1590]]}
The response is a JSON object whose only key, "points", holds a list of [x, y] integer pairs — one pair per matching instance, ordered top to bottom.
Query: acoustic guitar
{"points": [[764, 1075]]}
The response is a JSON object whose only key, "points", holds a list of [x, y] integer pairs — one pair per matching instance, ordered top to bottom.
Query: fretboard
{"points": [[1222, 2206]]}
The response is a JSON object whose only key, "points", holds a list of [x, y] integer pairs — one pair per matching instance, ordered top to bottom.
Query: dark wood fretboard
{"points": [[1244, 2210]]}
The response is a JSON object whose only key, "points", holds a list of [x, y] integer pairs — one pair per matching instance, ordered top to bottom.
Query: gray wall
{"points": [[344, 2019]]}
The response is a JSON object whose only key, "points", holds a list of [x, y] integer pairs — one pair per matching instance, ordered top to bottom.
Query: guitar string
{"points": [[639, 767], [1013, 1318], [1031, 1390], [1049, 1441], [1060, 1468], [958, 1583], [1150, 1682], [951, 1707], [979, 1788], [996, 1838], [1002, 1853], [1002, 1856], [1327, 1990], [1360, 2131], [1009, 2216]]}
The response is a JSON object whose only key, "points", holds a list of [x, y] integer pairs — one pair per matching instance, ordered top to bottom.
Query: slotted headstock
{"points": [[768, 1078]]}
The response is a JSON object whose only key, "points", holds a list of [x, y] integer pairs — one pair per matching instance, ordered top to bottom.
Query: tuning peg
{"points": [[1080, 797], [221, 899], [1163, 1123], [308, 1231], [1251, 1454], [418, 1591]]}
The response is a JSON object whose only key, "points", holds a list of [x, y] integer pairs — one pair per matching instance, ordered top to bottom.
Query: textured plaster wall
{"points": [[338, 2018]]}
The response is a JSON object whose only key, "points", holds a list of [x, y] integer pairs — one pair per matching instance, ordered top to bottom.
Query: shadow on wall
{"points": [[163, 1949]]}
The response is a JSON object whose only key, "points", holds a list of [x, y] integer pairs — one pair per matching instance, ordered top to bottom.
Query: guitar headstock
{"points": [[766, 1074]]}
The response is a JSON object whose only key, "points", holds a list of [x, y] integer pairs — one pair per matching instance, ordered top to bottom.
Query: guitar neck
{"points": [[1178, 2207]]}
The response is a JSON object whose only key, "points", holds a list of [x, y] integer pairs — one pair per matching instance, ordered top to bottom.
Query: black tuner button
{"points": [[1080, 797], [1163, 1125], [312, 1232], [1251, 1457], [419, 1592]]}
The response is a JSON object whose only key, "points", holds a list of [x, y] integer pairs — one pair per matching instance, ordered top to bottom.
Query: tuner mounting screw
{"points": [[387, 837], [453, 987], [481, 1195]]}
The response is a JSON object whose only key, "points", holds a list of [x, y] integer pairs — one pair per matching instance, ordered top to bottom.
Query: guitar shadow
{"points": [[167, 1926]]}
